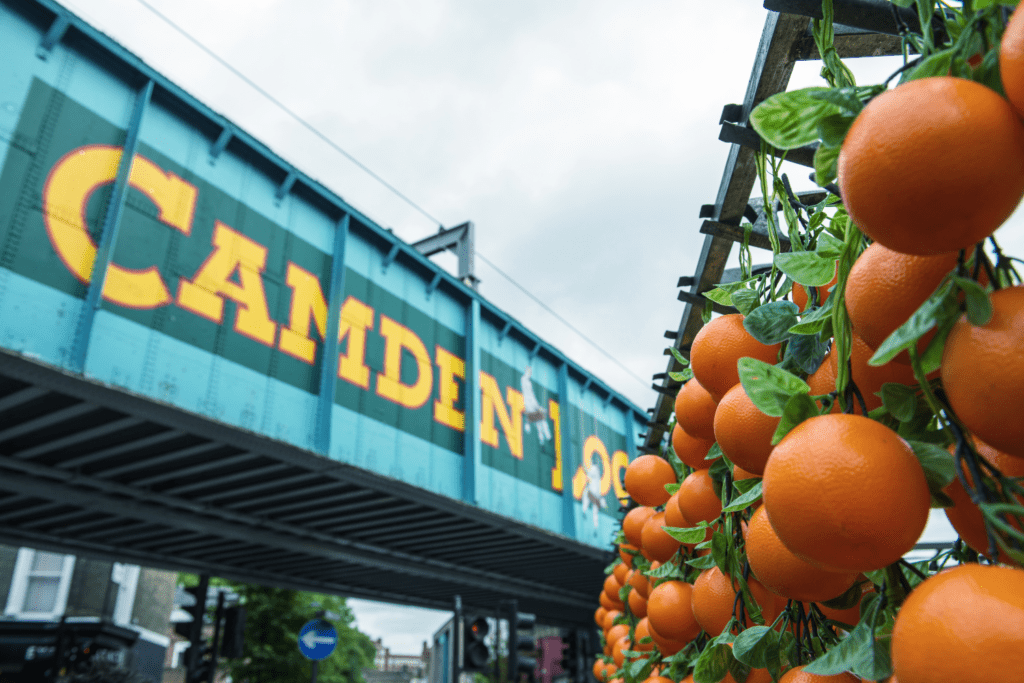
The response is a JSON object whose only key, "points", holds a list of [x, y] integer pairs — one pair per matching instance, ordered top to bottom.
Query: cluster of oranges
{"points": [[844, 496]]}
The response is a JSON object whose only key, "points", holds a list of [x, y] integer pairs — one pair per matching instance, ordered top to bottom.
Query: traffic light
{"points": [[192, 601], [233, 641], [522, 645], [476, 654], [573, 654], [199, 663]]}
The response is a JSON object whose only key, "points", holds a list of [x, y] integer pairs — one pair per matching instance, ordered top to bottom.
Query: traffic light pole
{"points": [[196, 629]]}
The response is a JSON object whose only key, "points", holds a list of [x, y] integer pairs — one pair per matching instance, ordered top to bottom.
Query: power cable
{"points": [[363, 167]]}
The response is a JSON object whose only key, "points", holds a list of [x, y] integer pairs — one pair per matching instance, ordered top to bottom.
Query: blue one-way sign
{"points": [[317, 639]]}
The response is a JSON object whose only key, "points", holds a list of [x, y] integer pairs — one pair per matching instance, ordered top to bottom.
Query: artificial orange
{"points": [[1011, 61], [933, 166], [885, 287], [718, 347], [983, 373], [695, 411], [743, 432], [690, 449], [739, 474], [646, 478], [846, 493], [697, 500], [965, 515], [633, 524], [657, 544], [627, 552], [621, 571], [784, 573], [639, 583], [612, 587], [714, 596], [609, 603], [637, 604], [670, 611], [599, 615], [609, 619], [967, 623], [615, 632], [666, 646], [617, 650], [798, 675]]}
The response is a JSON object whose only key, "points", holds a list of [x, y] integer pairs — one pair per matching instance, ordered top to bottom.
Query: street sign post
{"points": [[317, 640]]}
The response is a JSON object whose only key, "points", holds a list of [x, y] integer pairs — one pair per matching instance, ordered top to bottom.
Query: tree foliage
{"points": [[273, 620]]}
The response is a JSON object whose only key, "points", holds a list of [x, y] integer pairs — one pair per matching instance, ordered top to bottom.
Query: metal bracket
{"points": [[53, 36], [221, 144], [285, 187], [461, 239], [389, 258], [432, 285], [504, 331], [535, 351]]}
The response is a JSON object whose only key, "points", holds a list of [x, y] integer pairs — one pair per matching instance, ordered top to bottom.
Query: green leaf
{"points": [[936, 64], [847, 99], [790, 119], [832, 129], [826, 164], [829, 246], [806, 267], [719, 296], [745, 300], [979, 307], [924, 318], [815, 321], [770, 323], [805, 353], [678, 355], [931, 359], [684, 375], [768, 386], [900, 400], [797, 409], [714, 453], [938, 464], [744, 485], [671, 488], [748, 498], [689, 536], [720, 551], [703, 562], [669, 570], [624, 592], [754, 646], [845, 655], [876, 662], [712, 665]]}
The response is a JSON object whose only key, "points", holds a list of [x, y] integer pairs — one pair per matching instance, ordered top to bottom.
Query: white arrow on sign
{"points": [[311, 640]]}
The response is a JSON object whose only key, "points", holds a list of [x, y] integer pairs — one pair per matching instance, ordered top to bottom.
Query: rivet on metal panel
{"points": [[53, 36], [221, 144], [285, 186], [389, 258], [432, 285]]}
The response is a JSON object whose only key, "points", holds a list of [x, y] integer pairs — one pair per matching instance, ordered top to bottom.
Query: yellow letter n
{"points": [[511, 420]]}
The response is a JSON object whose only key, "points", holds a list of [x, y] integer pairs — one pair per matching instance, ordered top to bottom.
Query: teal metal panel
{"points": [[236, 294]]}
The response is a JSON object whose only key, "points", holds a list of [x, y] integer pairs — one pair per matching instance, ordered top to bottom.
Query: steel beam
{"points": [[108, 234], [329, 357]]}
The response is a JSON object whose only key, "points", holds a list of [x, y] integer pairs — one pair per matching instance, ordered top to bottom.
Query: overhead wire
{"points": [[363, 167]]}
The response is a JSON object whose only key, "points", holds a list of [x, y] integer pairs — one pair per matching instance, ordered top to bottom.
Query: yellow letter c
{"points": [[66, 195]]}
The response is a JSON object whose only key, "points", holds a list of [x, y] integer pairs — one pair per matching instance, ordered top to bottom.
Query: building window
{"points": [[39, 585]]}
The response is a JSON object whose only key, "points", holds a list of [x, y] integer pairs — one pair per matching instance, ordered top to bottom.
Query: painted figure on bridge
{"points": [[535, 414]]}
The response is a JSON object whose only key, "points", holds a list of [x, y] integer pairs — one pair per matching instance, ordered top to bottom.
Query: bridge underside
{"points": [[92, 470]]}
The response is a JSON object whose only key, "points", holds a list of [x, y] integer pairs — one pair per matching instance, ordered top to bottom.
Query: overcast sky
{"points": [[579, 135]]}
